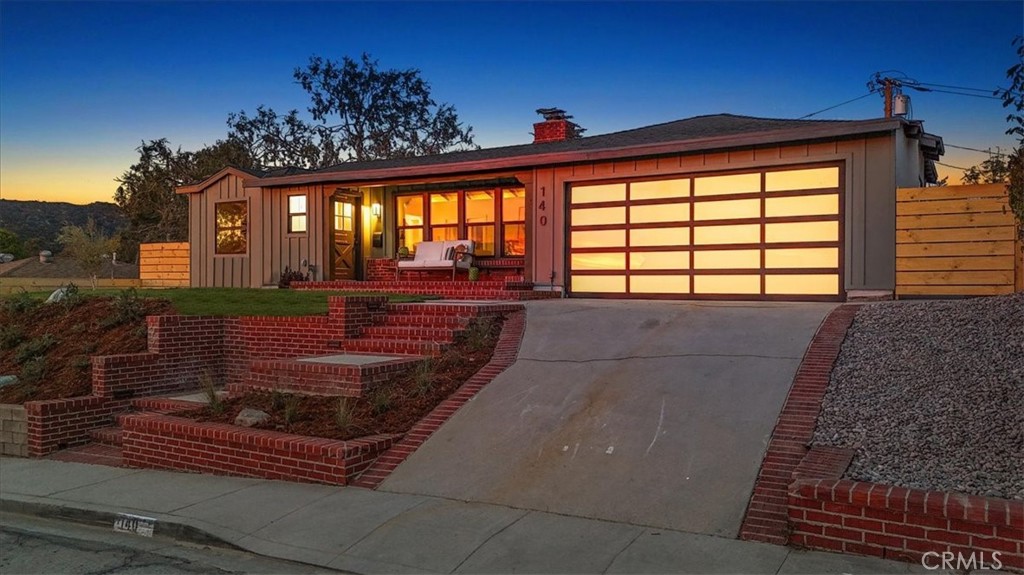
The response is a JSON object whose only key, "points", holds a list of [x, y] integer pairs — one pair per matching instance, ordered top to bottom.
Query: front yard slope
{"points": [[931, 396]]}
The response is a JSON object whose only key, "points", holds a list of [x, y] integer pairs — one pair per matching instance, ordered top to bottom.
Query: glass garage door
{"points": [[772, 234]]}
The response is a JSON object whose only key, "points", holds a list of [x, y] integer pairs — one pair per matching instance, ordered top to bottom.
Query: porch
{"points": [[500, 279]]}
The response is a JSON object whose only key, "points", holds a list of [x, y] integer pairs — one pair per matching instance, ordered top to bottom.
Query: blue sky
{"points": [[82, 84]]}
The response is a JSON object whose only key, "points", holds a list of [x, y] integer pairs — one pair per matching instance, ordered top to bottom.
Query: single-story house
{"points": [[717, 206]]}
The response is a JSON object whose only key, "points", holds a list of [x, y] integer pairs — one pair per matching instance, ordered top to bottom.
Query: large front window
{"points": [[495, 219], [231, 229]]}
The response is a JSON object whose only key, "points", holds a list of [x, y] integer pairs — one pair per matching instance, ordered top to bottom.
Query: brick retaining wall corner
{"points": [[158, 441]]}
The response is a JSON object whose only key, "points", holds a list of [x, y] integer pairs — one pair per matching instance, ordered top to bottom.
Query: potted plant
{"points": [[474, 274]]}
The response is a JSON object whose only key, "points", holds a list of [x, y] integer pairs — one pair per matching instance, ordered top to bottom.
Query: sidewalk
{"points": [[364, 531]]}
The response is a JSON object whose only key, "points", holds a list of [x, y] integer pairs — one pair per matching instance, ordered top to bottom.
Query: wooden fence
{"points": [[956, 240], [164, 265]]}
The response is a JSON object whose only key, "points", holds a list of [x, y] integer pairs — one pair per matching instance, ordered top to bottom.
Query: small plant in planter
{"points": [[403, 253], [474, 274], [289, 275]]}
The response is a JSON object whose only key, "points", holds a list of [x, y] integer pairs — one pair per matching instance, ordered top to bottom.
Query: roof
{"points": [[700, 133]]}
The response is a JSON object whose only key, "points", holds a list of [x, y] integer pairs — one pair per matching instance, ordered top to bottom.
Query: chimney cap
{"points": [[553, 113]]}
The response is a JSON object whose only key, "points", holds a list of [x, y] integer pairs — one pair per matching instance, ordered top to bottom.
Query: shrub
{"points": [[288, 276], [71, 298], [19, 302], [128, 306], [478, 335], [11, 336], [35, 348], [33, 371], [423, 377], [213, 399], [380, 399], [291, 409], [344, 417]]}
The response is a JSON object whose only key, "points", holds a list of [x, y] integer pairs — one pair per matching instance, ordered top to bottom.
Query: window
{"points": [[296, 214], [343, 221], [410, 221], [497, 228], [231, 229]]}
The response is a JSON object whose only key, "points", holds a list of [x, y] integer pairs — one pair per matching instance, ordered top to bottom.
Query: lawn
{"points": [[241, 302]]}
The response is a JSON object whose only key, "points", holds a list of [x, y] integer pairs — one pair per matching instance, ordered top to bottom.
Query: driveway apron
{"points": [[650, 413]]}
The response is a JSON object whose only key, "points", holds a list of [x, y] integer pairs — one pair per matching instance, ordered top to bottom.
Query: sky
{"points": [[83, 84]]}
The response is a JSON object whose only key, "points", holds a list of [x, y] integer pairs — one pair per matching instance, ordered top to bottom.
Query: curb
{"points": [[164, 526]]}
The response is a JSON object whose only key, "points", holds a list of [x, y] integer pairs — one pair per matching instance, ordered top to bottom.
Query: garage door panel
{"points": [[774, 234], [660, 284]]}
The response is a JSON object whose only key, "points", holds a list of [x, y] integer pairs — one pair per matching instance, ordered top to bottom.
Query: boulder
{"points": [[58, 295], [8, 380], [250, 417]]}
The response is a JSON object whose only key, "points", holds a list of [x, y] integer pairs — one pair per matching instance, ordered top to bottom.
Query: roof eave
{"points": [[532, 160], [200, 186]]}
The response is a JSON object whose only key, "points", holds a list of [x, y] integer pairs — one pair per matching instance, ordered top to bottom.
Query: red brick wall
{"points": [[550, 131], [380, 269], [61, 423], [165, 442], [900, 523]]}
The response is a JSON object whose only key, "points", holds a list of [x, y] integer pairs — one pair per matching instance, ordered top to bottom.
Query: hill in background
{"points": [[38, 223]]}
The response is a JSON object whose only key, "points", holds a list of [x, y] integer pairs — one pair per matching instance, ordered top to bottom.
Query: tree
{"points": [[1013, 98], [369, 113], [274, 141], [994, 170], [146, 192], [10, 243], [88, 246]]}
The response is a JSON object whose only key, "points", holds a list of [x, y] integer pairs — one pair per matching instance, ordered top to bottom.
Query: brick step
{"points": [[459, 310], [426, 320], [417, 332], [394, 346], [321, 377], [107, 435], [91, 453]]}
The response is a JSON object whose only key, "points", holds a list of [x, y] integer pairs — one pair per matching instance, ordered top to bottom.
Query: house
{"points": [[718, 206]]}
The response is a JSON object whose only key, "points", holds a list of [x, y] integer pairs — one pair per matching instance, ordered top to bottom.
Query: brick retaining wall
{"points": [[61, 423], [13, 430], [159, 441], [833, 514]]}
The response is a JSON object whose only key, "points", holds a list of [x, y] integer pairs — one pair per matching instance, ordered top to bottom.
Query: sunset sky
{"points": [[83, 84]]}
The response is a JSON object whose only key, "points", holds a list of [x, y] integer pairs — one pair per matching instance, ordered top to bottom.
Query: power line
{"points": [[922, 89], [986, 90], [836, 106], [990, 152], [952, 166]]}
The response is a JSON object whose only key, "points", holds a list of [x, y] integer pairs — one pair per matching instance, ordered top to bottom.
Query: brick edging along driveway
{"points": [[504, 355], [767, 515]]}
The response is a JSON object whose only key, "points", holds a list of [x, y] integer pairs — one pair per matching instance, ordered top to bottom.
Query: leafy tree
{"points": [[1013, 99], [370, 113], [279, 141], [992, 171], [146, 191], [10, 243], [89, 246]]}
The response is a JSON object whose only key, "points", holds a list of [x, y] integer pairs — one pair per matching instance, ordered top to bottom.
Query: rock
{"points": [[46, 257], [6, 258], [58, 295], [8, 380], [250, 417]]}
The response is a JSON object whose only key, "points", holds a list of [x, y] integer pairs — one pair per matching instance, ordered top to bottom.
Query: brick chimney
{"points": [[556, 127]]}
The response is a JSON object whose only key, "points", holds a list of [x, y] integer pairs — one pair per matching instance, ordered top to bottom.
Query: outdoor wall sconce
{"points": [[375, 210]]}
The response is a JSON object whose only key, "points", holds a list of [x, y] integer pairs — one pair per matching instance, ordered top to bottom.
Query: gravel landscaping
{"points": [[931, 395]]}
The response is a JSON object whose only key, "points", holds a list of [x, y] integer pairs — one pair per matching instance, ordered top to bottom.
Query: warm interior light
{"points": [[375, 210]]}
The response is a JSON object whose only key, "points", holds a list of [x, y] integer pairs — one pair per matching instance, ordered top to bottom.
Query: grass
{"points": [[239, 301]]}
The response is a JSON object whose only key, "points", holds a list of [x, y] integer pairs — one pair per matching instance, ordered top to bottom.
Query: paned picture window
{"points": [[296, 214], [495, 219], [231, 227]]}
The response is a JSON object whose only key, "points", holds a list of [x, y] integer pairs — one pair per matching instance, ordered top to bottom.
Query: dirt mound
{"points": [[49, 345]]}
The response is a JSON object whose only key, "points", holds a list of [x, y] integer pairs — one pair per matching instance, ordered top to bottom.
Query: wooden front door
{"points": [[345, 244]]}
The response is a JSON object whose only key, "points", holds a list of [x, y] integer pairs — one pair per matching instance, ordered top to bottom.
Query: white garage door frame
{"points": [[610, 254]]}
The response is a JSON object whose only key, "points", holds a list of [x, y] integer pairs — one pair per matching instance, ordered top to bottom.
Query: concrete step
{"points": [[346, 373], [107, 436]]}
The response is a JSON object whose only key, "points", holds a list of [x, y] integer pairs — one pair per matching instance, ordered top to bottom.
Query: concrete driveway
{"points": [[651, 413]]}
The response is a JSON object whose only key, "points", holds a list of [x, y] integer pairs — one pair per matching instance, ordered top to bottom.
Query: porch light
{"points": [[375, 210]]}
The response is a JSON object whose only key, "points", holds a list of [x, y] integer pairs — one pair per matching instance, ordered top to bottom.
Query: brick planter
{"points": [[13, 430], [157, 441], [904, 524]]}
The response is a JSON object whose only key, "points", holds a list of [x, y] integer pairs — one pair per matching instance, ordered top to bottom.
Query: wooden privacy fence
{"points": [[956, 240], [164, 264]]}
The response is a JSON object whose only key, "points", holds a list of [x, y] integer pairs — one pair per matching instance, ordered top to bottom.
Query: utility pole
{"points": [[887, 94]]}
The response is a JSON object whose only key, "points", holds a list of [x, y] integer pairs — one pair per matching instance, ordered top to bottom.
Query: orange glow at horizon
{"points": [[81, 184]]}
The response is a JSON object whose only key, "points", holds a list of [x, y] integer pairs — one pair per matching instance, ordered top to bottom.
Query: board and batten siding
{"points": [[870, 187], [275, 248], [207, 268]]}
